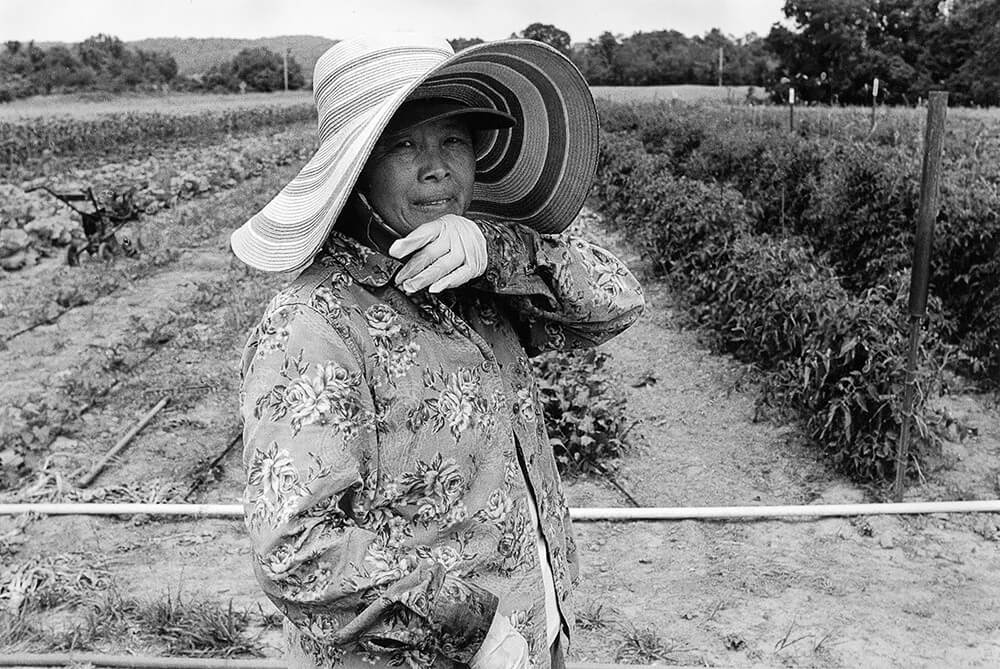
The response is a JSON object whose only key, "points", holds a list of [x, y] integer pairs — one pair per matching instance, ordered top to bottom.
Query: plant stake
{"points": [[874, 99], [791, 109], [930, 180], [122, 443]]}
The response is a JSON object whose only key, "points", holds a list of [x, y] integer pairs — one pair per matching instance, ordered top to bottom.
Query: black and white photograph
{"points": [[566, 334]]}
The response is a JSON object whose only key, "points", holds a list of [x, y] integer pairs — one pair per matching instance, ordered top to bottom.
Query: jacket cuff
{"points": [[511, 263]]}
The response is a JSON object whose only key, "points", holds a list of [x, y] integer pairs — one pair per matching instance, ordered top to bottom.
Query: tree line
{"points": [[830, 51], [105, 63]]}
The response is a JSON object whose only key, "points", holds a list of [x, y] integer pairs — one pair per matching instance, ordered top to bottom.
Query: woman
{"points": [[402, 498]]}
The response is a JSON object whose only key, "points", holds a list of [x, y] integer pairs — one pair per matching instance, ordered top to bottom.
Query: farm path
{"points": [[882, 591], [876, 592]]}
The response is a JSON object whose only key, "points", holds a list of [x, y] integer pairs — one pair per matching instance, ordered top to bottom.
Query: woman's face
{"points": [[421, 173]]}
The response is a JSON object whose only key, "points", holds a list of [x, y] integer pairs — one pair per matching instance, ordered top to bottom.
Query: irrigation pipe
{"points": [[579, 514], [137, 661], [153, 662]]}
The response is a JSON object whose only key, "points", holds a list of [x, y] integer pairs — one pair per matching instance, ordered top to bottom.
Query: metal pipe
{"points": [[578, 514], [134, 661], [153, 662]]}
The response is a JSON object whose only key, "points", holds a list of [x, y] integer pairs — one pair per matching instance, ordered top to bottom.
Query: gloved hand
{"points": [[447, 252], [503, 648]]}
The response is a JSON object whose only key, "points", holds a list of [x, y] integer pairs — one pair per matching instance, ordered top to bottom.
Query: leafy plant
{"points": [[584, 411]]}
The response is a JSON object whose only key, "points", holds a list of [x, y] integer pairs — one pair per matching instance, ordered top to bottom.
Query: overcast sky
{"points": [[74, 20]]}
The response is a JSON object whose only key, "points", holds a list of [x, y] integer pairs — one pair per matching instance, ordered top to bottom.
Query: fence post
{"points": [[930, 180]]}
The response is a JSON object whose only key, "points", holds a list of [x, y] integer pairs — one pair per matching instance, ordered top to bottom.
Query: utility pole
{"points": [[287, 49], [720, 67]]}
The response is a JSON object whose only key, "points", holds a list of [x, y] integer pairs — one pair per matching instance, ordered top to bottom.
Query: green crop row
{"points": [[24, 145], [855, 200], [832, 357]]}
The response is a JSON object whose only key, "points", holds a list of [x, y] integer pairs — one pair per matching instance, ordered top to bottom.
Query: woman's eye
{"points": [[457, 140], [403, 144]]}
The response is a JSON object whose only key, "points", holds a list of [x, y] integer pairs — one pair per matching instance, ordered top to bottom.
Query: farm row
{"points": [[28, 148], [36, 223], [795, 247]]}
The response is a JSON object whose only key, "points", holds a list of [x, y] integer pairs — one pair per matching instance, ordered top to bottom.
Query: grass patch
{"points": [[595, 615], [110, 620], [197, 627], [645, 646]]}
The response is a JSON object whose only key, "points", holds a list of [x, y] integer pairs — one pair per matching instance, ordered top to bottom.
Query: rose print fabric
{"points": [[391, 442]]}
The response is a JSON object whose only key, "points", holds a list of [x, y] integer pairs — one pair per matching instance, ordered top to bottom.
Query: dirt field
{"points": [[882, 591]]}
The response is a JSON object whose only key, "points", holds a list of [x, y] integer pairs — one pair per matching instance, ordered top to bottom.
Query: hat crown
{"points": [[355, 76]]}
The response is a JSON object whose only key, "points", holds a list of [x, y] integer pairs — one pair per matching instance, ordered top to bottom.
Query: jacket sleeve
{"points": [[565, 292], [329, 557]]}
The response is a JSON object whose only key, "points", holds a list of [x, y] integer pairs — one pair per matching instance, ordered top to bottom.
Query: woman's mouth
{"points": [[434, 203]]}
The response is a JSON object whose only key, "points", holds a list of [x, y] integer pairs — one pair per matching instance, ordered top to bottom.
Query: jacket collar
{"points": [[364, 264]]}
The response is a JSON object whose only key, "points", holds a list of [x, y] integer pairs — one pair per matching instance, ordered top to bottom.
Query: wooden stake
{"points": [[930, 181], [122, 443]]}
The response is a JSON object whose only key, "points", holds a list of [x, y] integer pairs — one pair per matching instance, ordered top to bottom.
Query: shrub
{"points": [[777, 172], [863, 213], [965, 265], [833, 358]]}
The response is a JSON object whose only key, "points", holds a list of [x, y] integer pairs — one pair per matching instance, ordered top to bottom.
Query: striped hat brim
{"points": [[537, 172]]}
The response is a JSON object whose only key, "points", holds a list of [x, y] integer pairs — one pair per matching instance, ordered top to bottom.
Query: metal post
{"points": [[930, 180]]}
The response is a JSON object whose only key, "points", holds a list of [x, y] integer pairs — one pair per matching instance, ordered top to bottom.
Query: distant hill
{"points": [[196, 55]]}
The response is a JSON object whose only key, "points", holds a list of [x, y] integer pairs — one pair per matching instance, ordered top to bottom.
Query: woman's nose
{"points": [[433, 166]]}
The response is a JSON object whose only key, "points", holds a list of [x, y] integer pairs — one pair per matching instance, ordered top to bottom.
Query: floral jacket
{"points": [[390, 442]]}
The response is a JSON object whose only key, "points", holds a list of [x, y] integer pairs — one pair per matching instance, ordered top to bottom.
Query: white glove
{"points": [[449, 251], [503, 648]]}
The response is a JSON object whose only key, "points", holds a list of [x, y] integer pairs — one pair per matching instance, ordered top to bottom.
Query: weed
{"points": [[45, 583], [596, 615], [196, 627], [16, 632], [787, 641], [644, 646]]}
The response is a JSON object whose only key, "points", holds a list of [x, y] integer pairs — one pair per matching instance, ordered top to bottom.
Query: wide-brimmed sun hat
{"points": [[536, 172]]}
